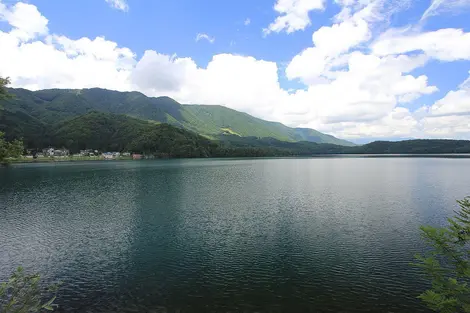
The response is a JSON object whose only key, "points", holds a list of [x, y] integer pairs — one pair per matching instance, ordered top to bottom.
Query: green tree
{"points": [[3, 91], [15, 148], [12, 149], [447, 263], [22, 293]]}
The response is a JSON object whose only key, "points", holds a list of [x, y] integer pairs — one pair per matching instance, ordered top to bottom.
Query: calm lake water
{"points": [[264, 235]]}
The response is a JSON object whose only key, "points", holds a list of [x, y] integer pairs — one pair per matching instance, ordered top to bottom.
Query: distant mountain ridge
{"points": [[55, 105], [117, 132]]}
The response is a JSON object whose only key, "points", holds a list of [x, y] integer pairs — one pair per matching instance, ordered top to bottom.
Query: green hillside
{"points": [[55, 105], [76, 119], [218, 120], [113, 132], [117, 132]]}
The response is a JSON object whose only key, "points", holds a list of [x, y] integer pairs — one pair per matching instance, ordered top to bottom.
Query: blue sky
{"points": [[342, 81]]}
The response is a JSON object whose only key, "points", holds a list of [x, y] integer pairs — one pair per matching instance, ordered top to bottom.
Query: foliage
{"points": [[3, 91], [56, 105], [97, 131], [113, 132], [167, 141], [252, 147], [15, 148], [12, 149], [447, 264], [22, 293]]}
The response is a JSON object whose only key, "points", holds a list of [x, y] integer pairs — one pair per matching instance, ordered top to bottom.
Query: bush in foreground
{"points": [[447, 264], [22, 293]]}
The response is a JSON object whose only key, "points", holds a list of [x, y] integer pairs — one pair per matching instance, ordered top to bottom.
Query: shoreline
{"points": [[339, 155], [65, 159]]}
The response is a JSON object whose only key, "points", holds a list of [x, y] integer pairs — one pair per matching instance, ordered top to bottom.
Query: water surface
{"points": [[264, 235]]}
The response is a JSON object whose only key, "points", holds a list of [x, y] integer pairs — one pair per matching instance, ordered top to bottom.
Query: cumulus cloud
{"points": [[119, 4], [294, 15], [25, 19], [247, 22], [202, 36], [329, 43], [64, 63], [161, 74], [242, 83], [347, 85], [354, 86], [368, 89], [455, 102], [448, 117]]}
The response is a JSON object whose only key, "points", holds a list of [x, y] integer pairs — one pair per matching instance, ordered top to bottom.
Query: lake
{"points": [[246, 235]]}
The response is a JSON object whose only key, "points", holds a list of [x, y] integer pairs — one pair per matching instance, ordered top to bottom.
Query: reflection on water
{"points": [[271, 235]]}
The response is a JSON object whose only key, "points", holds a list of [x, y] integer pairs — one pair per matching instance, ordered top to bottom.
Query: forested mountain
{"points": [[56, 105], [80, 119], [219, 119], [113, 132], [117, 132], [416, 146]]}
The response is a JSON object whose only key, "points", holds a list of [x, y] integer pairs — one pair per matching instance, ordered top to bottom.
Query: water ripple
{"points": [[307, 235]]}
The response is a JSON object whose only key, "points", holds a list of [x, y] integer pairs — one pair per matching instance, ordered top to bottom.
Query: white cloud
{"points": [[119, 4], [439, 6], [376, 12], [294, 15], [26, 20], [247, 22], [353, 29], [201, 36], [329, 43], [444, 44], [64, 63], [160, 74], [239, 82], [345, 85], [351, 90], [367, 90], [455, 102], [448, 117], [398, 123], [451, 127]]}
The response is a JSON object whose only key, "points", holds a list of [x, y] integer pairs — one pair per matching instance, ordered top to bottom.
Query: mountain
{"points": [[55, 105], [111, 120], [218, 120], [117, 132], [416, 146], [303, 148]]}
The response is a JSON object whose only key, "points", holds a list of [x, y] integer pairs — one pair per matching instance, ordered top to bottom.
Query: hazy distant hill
{"points": [[55, 105], [415, 146]]}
